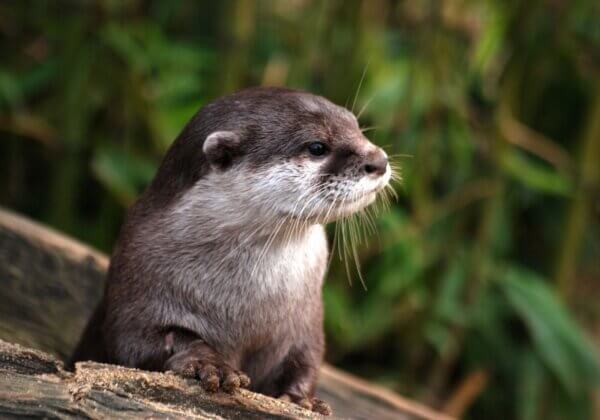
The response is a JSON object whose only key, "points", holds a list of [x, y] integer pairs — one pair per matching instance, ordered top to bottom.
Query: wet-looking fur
{"points": [[218, 269]]}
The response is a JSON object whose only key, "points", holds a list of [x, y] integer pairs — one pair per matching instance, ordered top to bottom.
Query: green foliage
{"points": [[124, 174], [536, 176], [487, 263], [557, 339]]}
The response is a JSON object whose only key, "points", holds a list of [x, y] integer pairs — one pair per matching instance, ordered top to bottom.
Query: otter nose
{"points": [[376, 164]]}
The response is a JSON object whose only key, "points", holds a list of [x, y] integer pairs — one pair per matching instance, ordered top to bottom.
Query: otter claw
{"points": [[209, 377], [213, 377], [244, 380], [312, 404], [321, 407]]}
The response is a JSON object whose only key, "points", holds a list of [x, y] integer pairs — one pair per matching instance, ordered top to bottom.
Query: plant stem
{"points": [[580, 209]]}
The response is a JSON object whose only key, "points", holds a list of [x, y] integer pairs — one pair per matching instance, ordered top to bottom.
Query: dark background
{"points": [[483, 281]]}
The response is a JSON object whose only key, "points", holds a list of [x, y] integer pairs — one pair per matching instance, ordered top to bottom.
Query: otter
{"points": [[218, 269]]}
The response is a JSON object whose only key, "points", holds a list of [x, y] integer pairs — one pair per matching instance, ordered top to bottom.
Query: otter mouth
{"points": [[371, 194], [354, 198], [351, 203], [336, 205], [348, 205], [335, 208]]}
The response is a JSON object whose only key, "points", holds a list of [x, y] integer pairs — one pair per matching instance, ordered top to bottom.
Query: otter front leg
{"points": [[198, 360], [300, 372]]}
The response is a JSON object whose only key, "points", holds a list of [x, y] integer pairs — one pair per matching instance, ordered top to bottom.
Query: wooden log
{"points": [[50, 286], [34, 384]]}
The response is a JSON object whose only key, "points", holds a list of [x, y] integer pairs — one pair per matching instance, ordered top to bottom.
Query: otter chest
{"points": [[266, 294]]}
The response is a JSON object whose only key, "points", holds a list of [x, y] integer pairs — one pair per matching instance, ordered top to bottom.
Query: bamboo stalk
{"points": [[240, 25], [580, 209]]}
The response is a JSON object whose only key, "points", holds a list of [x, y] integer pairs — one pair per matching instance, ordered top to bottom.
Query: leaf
{"points": [[121, 40], [490, 43], [9, 89], [122, 173], [536, 175], [449, 303], [557, 338], [531, 381]]}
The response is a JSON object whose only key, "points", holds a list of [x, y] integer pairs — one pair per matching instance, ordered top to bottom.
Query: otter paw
{"points": [[213, 376], [312, 404]]}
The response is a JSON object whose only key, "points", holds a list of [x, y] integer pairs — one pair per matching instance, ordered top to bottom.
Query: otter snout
{"points": [[376, 163]]}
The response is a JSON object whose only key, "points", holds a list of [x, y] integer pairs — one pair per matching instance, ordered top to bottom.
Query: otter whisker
{"points": [[362, 78], [363, 109], [372, 127], [400, 155], [389, 189], [384, 199], [370, 218], [301, 220], [364, 223], [295, 226], [337, 231], [275, 232], [289, 232], [353, 234], [346, 242], [354, 242], [267, 245], [346, 253]]}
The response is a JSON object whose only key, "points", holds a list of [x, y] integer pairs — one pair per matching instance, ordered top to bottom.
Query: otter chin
{"points": [[218, 270]]}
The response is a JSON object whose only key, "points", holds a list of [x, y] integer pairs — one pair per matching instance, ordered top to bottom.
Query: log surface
{"points": [[50, 286], [34, 384]]}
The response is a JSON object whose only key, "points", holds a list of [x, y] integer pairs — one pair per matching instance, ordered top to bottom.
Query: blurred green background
{"points": [[483, 283]]}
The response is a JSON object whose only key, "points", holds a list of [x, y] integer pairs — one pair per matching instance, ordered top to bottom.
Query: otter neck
{"points": [[208, 214]]}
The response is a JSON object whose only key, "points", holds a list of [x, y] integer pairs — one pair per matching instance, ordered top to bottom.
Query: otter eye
{"points": [[317, 148]]}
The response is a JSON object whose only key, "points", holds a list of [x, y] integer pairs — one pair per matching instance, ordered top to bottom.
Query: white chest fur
{"points": [[237, 287], [248, 295]]}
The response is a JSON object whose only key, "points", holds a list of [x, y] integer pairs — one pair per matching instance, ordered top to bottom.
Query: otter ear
{"points": [[221, 147]]}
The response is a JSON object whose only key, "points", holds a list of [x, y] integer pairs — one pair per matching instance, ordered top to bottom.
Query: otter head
{"points": [[273, 153]]}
